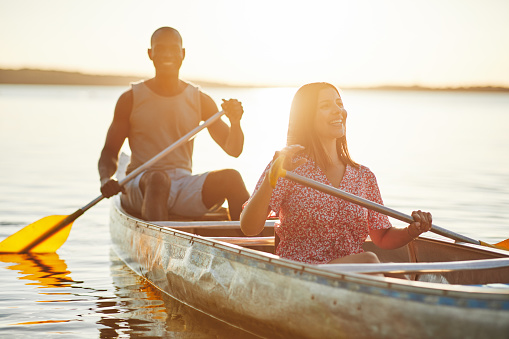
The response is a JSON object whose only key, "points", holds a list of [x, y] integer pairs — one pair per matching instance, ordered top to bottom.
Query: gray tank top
{"points": [[157, 121]]}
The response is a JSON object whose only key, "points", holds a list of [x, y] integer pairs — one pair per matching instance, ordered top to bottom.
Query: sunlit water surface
{"points": [[445, 152]]}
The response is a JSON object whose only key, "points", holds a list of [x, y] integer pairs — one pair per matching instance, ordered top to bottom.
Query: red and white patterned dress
{"points": [[316, 227]]}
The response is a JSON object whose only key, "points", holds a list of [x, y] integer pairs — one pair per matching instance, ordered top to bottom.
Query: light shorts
{"points": [[185, 194]]}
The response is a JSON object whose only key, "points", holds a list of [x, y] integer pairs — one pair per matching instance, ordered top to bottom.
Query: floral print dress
{"points": [[315, 227]]}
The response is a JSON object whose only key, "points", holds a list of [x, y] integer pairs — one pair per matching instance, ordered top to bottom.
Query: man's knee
{"points": [[227, 178], [234, 178], [155, 180]]}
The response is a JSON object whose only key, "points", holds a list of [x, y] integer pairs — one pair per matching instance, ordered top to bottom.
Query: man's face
{"points": [[166, 52]]}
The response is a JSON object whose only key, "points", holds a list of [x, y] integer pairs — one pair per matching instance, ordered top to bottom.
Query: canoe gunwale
{"points": [[347, 277]]}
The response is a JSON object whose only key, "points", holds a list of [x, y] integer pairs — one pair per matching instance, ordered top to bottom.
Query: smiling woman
{"points": [[312, 227]]}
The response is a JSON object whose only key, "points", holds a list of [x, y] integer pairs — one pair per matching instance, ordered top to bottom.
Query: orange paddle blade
{"points": [[38, 233], [503, 244]]}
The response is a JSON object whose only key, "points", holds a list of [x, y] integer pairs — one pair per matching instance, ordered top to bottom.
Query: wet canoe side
{"points": [[272, 297]]}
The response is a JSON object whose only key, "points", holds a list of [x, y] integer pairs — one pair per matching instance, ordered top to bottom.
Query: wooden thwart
{"points": [[182, 225], [246, 241]]}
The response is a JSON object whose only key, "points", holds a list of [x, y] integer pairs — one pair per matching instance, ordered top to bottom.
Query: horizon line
{"points": [[85, 78]]}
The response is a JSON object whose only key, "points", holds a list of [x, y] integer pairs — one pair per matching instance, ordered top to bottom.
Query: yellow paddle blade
{"points": [[277, 171], [19, 241]]}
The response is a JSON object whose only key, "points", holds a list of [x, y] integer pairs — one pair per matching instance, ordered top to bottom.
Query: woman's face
{"points": [[330, 118]]}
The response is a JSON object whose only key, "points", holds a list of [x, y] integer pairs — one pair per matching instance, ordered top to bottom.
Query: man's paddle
{"points": [[277, 171], [48, 234]]}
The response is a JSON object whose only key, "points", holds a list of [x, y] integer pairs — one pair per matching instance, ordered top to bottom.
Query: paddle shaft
{"points": [[184, 139], [374, 206], [69, 219], [423, 267]]}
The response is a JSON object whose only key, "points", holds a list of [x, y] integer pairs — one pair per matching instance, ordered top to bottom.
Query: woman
{"points": [[314, 227]]}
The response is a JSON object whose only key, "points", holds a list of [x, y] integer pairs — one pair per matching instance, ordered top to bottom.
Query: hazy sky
{"points": [[349, 43]]}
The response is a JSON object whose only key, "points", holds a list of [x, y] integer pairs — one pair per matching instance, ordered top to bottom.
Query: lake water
{"points": [[444, 152]]}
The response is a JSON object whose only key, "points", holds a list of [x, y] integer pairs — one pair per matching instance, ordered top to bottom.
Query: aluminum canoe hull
{"points": [[277, 298]]}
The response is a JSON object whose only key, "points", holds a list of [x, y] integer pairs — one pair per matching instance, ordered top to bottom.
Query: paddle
{"points": [[277, 171], [48, 234], [422, 267]]}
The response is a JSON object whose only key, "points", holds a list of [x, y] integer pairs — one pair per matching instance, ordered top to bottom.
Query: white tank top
{"points": [[157, 121]]}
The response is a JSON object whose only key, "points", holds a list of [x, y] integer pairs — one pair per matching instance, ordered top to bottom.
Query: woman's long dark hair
{"points": [[301, 126]]}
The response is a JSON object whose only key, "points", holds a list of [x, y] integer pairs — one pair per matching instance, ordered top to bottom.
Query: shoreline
{"points": [[51, 77]]}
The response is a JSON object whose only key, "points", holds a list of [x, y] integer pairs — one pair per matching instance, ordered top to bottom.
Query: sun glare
{"points": [[351, 43]]}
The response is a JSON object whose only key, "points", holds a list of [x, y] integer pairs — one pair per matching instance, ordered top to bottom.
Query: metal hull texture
{"points": [[277, 298]]}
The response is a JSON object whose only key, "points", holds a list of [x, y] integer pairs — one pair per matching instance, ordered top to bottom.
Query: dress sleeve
{"points": [[277, 193], [376, 220]]}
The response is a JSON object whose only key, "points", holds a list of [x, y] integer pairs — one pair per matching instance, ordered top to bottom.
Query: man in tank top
{"points": [[152, 115]]}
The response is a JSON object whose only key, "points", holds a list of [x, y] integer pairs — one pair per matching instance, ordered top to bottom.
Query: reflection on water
{"points": [[44, 270], [45, 289], [61, 306], [141, 310]]}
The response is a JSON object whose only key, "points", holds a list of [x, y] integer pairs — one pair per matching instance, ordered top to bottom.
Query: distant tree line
{"points": [[43, 77], [50, 77]]}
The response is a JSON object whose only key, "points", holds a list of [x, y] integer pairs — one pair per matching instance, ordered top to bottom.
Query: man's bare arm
{"points": [[117, 133], [229, 138]]}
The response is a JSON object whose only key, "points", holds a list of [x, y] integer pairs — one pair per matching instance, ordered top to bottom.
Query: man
{"points": [[152, 115]]}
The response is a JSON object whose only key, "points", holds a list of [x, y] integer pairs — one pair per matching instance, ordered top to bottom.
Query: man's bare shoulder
{"points": [[124, 104], [208, 106]]}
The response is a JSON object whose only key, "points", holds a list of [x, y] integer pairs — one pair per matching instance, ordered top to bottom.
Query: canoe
{"points": [[452, 290]]}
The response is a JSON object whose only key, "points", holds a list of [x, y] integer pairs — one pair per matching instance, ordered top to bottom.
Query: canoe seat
{"points": [[220, 215], [246, 241]]}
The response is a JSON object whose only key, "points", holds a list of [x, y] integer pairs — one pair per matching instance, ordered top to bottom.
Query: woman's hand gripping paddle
{"points": [[277, 171]]}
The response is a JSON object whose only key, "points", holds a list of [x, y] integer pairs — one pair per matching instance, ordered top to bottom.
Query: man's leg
{"points": [[225, 184], [155, 186]]}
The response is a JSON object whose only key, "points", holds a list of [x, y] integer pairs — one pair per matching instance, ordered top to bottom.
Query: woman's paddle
{"points": [[277, 171], [48, 234]]}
